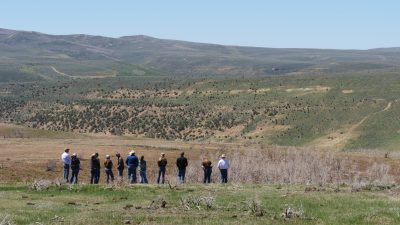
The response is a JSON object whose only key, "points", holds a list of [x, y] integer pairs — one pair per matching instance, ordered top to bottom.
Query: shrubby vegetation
{"points": [[290, 110]]}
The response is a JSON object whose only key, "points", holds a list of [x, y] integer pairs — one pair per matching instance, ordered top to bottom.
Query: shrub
{"points": [[290, 166], [41, 185], [197, 202], [255, 207], [291, 212], [5, 220]]}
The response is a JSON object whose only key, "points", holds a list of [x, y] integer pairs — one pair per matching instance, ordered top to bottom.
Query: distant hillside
{"points": [[27, 56], [324, 111]]}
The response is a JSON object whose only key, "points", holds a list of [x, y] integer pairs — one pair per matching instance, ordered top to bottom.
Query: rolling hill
{"points": [[29, 56], [175, 90]]}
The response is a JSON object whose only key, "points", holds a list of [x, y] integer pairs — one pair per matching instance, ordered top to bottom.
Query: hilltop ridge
{"points": [[32, 55]]}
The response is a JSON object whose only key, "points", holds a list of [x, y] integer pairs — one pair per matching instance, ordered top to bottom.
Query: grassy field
{"points": [[361, 196], [231, 204]]}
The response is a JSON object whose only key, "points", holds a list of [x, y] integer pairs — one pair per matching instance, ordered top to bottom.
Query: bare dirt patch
{"points": [[310, 89], [347, 91], [231, 132]]}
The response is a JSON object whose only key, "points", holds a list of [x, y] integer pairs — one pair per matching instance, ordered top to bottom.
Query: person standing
{"points": [[66, 158], [132, 162], [182, 163], [120, 165], [108, 166], [162, 166], [223, 166], [75, 167], [207, 168], [95, 169], [142, 170]]}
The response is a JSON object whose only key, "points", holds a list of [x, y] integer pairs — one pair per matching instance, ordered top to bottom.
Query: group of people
{"points": [[133, 164]]}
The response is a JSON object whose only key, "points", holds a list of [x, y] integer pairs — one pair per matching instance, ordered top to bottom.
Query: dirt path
{"points": [[61, 73], [387, 107], [339, 138]]}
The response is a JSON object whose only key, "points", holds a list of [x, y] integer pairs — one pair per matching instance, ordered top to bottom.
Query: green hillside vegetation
{"points": [[341, 111]]}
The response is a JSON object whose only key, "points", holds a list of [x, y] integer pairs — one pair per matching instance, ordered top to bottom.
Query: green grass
{"points": [[25, 132], [99, 205]]}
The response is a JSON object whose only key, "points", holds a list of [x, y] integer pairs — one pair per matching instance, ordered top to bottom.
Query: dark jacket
{"points": [[132, 160], [162, 162], [75, 163], [182, 163], [95, 164], [108, 164], [206, 164], [120, 165], [142, 165]]}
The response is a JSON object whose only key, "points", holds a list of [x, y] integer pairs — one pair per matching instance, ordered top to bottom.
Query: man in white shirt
{"points": [[66, 158], [223, 166]]}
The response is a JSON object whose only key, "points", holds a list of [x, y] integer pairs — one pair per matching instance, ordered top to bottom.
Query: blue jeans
{"points": [[66, 171], [121, 172], [109, 174], [132, 174], [161, 174], [181, 175], [207, 175], [224, 175], [74, 176], [95, 176], [143, 177]]}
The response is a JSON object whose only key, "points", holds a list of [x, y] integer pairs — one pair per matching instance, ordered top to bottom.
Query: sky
{"points": [[333, 24]]}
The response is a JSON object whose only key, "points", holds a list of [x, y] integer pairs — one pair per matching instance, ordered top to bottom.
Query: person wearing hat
{"points": [[66, 159], [132, 162], [181, 163], [120, 165], [108, 166], [223, 166], [75, 167], [162, 167], [207, 168], [95, 169]]}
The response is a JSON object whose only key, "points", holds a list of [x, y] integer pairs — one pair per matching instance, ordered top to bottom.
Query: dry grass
{"points": [[251, 162]]}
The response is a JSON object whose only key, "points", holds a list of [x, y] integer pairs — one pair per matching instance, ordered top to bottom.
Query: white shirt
{"points": [[66, 158], [223, 164]]}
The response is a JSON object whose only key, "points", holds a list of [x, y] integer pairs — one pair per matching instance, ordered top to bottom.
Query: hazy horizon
{"points": [[284, 24]]}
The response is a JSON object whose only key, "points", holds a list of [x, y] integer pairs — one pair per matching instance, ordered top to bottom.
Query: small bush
{"points": [[60, 183], [41, 185], [192, 202], [255, 207], [291, 212], [5, 220]]}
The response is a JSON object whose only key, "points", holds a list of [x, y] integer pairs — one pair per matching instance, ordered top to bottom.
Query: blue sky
{"points": [[342, 24]]}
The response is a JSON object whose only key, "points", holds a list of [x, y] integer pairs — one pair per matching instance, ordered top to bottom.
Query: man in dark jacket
{"points": [[132, 162], [181, 163], [120, 165], [75, 167], [108, 167], [207, 167], [162, 168], [95, 169]]}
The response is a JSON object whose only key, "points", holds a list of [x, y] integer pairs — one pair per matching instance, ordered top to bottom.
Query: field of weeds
{"points": [[267, 184], [198, 204]]}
